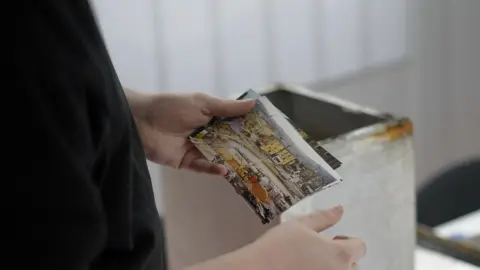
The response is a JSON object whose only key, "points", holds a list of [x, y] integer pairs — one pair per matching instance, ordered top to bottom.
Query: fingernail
{"points": [[337, 209], [341, 237]]}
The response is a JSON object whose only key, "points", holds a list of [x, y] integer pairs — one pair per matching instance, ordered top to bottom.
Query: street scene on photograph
{"points": [[322, 152], [269, 168]]}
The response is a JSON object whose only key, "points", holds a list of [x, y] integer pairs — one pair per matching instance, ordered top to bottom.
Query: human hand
{"points": [[164, 122], [297, 245]]}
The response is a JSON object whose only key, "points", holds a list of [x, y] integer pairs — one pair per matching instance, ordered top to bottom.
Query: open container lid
{"points": [[325, 117]]}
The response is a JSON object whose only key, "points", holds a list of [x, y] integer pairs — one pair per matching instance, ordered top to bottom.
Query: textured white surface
{"points": [[379, 200]]}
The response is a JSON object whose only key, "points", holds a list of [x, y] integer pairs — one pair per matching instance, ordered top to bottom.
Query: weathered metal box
{"points": [[378, 191], [205, 218]]}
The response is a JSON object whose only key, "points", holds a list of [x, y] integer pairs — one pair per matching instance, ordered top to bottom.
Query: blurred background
{"points": [[415, 58]]}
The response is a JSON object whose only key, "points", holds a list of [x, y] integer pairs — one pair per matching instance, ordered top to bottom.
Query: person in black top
{"points": [[87, 200]]}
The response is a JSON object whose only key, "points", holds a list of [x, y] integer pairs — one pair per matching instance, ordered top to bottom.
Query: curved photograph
{"points": [[270, 163]]}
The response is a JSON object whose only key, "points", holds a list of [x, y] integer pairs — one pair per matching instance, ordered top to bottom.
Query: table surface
{"points": [[467, 226]]}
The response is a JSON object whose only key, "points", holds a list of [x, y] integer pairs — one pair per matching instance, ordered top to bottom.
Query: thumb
{"points": [[227, 108], [322, 220]]}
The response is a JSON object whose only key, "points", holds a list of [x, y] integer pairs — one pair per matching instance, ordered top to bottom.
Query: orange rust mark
{"points": [[404, 128]]}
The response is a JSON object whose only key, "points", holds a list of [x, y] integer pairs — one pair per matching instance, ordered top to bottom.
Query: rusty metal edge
{"points": [[391, 128]]}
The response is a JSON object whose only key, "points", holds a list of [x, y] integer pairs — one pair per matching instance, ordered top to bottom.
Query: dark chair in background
{"points": [[451, 194]]}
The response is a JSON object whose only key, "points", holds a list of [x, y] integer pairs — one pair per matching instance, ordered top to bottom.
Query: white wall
{"points": [[226, 46], [445, 83], [438, 87]]}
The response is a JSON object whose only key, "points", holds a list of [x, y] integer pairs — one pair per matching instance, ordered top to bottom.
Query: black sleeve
{"points": [[65, 208], [65, 212], [59, 217]]}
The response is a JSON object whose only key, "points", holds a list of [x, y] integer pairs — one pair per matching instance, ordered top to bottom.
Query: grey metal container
{"points": [[205, 218]]}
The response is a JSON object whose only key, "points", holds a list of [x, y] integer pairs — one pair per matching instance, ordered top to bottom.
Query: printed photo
{"points": [[329, 158], [271, 165]]}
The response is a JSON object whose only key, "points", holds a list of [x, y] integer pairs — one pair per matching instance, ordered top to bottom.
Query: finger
{"points": [[225, 107], [195, 161], [205, 166], [322, 220], [355, 247]]}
